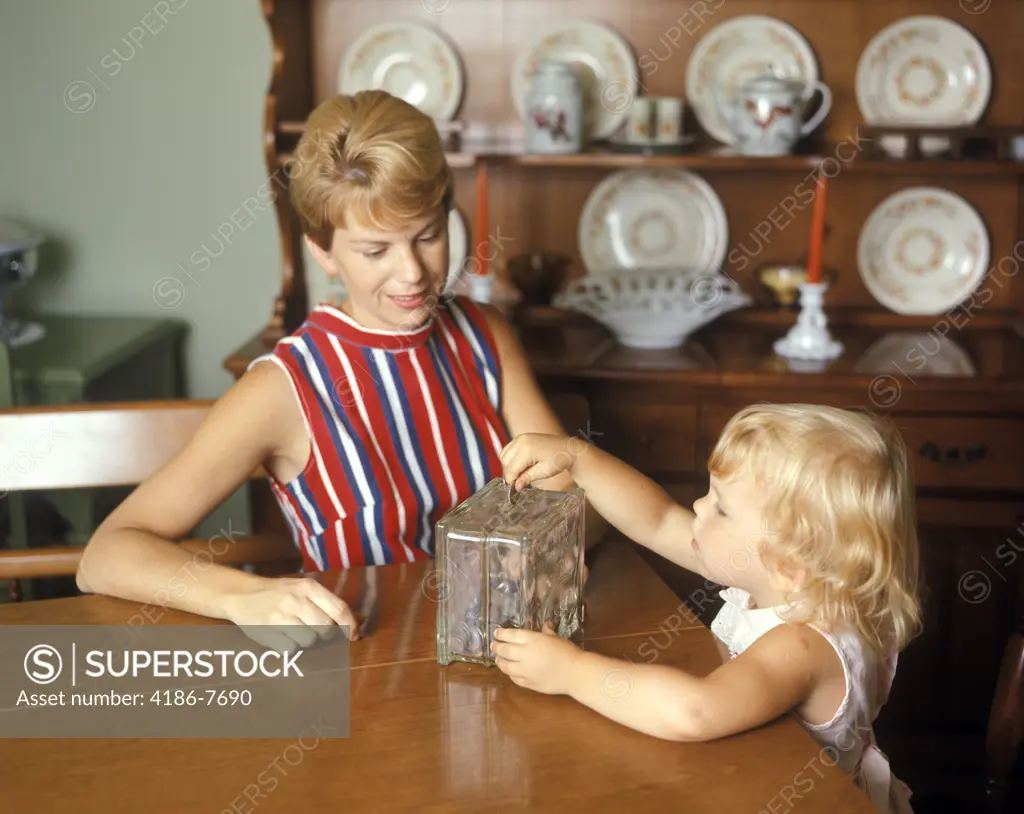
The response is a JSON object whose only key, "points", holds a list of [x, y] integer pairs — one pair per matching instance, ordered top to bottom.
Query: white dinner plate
{"points": [[740, 49], [410, 60], [926, 71], [610, 77], [653, 218], [458, 247], [923, 251]]}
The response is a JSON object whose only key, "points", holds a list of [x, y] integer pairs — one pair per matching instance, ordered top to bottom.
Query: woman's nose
{"points": [[410, 268]]}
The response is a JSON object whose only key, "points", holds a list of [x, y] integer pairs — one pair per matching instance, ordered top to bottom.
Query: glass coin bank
{"points": [[508, 561]]}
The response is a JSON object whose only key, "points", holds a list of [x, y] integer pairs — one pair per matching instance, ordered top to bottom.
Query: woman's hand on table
{"points": [[536, 456], [288, 613], [542, 662]]}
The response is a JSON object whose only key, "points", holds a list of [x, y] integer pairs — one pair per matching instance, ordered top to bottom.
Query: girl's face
{"points": [[393, 279], [728, 533]]}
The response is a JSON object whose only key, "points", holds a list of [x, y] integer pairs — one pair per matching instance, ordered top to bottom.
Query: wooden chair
{"points": [[6, 384], [122, 444], [100, 445], [12, 505], [1005, 732]]}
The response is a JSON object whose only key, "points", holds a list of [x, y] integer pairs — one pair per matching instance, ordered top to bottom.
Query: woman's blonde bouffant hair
{"points": [[368, 159], [838, 501]]}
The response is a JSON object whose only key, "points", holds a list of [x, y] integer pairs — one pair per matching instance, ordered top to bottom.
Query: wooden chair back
{"points": [[6, 380], [121, 444], [99, 445]]}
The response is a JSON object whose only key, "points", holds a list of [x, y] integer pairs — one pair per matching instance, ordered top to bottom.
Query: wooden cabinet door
{"points": [[654, 438], [933, 726]]}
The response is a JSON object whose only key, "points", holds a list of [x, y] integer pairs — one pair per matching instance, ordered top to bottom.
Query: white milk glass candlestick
{"points": [[809, 338]]}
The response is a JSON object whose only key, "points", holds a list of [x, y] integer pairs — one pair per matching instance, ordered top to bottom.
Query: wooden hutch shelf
{"points": [[291, 128], [712, 158], [455, 160], [713, 162], [873, 318], [662, 410]]}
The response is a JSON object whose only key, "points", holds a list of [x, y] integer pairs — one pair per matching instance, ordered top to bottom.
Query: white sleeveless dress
{"points": [[848, 739]]}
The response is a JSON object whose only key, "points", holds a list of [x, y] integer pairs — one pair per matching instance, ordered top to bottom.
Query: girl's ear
{"points": [[325, 260], [790, 577]]}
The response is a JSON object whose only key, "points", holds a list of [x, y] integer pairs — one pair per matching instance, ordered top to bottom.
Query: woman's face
{"points": [[393, 279]]}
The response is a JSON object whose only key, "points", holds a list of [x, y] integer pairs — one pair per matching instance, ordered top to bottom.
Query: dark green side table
{"points": [[88, 359], [92, 359]]}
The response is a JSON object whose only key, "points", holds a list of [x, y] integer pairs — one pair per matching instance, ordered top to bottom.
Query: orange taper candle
{"points": [[817, 231], [480, 242]]}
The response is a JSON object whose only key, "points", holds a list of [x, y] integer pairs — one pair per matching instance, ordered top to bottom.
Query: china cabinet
{"points": [[952, 381]]}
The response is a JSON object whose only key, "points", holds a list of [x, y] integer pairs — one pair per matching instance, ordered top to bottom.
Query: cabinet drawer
{"points": [[713, 418], [650, 437], [955, 452], [971, 453]]}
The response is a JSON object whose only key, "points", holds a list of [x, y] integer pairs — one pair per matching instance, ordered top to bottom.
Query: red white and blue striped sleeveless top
{"points": [[403, 427]]}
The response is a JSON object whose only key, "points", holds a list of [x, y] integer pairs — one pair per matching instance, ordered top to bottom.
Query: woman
{"points": [[373, 419]]}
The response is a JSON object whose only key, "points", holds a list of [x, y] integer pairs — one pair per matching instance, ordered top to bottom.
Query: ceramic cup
{"points": [[668, 119], [640, 124], [899, 146]]}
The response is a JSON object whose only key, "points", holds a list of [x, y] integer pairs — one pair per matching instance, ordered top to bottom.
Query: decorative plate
{"points": [[740, 49], [410, 60], [924, 70], [610, 78], [653, 218], [458, 247], [923, 251], [912, 353]]}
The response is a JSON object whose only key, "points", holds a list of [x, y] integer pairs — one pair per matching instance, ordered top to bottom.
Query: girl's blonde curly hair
{"points": [[370, 159], [839, 499]]}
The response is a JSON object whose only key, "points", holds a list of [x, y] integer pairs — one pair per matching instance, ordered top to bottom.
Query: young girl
{"points": [[809, 521]]}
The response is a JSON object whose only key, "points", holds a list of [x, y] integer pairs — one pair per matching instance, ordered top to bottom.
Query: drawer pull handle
{"points": [[976, 452], [953, 456]]}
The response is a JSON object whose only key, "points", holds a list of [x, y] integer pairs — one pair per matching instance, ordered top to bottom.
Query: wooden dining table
{"points": [[430, 738]]}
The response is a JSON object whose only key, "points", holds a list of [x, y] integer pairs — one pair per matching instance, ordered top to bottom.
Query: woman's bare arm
{"points": [[132, 556]]}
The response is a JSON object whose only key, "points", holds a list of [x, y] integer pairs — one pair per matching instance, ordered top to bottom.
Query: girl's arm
{"points": [[526, 410], [630, 501], [636, 505], [791, 667], [778, 673]]}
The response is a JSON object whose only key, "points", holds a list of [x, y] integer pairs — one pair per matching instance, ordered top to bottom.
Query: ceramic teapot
{"points": [[766, 116]]}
